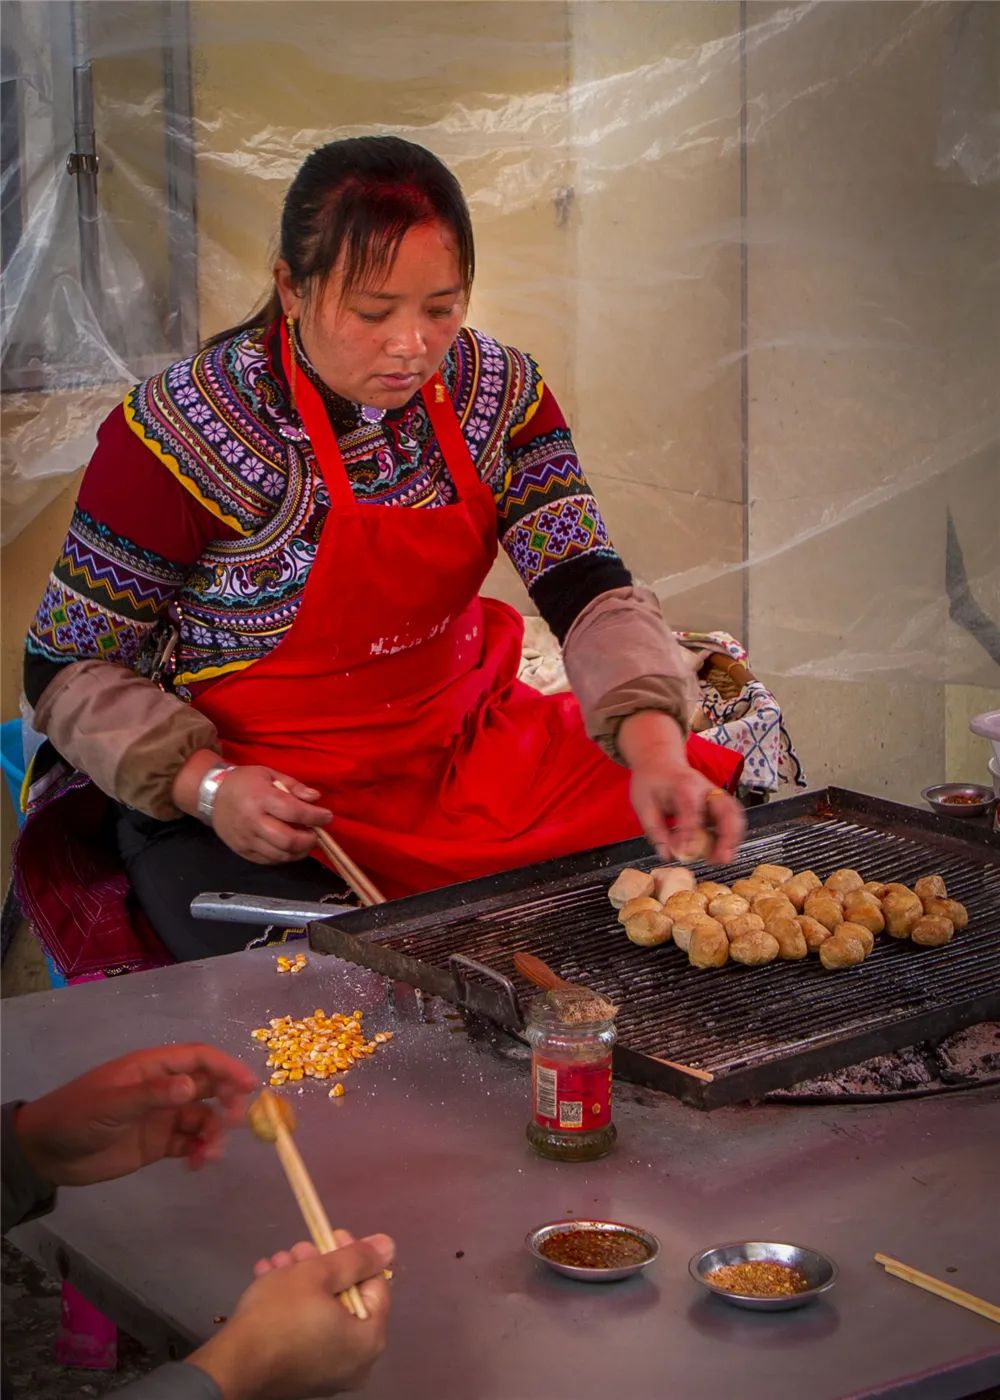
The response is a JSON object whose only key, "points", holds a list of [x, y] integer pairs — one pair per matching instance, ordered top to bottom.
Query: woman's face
{"points": [[381, 343]]}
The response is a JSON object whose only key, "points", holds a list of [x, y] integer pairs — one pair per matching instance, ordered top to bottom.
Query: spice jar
{"points": [[571, 1041]]}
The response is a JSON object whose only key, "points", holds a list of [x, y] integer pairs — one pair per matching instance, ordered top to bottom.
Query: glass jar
{"points": [[570, 1083]]}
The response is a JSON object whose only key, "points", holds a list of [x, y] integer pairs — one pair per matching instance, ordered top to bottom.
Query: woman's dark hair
{"points": [[359, 198]]}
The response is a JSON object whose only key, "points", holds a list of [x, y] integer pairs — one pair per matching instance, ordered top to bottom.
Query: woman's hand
{"points": [[255, 819], [708, 823], [133, 1111], [291, 1337]]}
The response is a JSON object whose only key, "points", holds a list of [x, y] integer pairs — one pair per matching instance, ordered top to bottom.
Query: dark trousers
{"points": [[168, 863]]}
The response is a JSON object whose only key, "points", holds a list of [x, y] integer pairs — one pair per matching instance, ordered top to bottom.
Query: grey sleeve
{"points": [[25, 1194], [175, 1381]]}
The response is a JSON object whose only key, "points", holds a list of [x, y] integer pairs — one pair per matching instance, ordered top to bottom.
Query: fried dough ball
{"points": [[701, 844], [773, 874], [670, 879], [844, 880], [630, 884], [751, 887], [799, 887], [876, 887], [893, 887], [930, 887], [712, 889], [684, 902], [645, 905], [727, 906], [773, 906], [825, 907], [862, 908], [948, 909], [901, 910], [685, 924], [739, 924], [649, 928], [932, 931], [813, 932], [861, 932], [789, 937], [709, 946], [754, 949], [841, 951]]}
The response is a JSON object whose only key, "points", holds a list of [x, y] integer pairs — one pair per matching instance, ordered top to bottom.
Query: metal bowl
{"points": [[934, 797], [536, 1237], [819, 1271]]}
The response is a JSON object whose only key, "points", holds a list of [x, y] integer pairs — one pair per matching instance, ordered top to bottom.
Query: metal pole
{"points": [[178, 123], [83, 162]]}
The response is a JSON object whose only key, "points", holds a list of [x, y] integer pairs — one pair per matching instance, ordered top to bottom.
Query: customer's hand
{"points": [[708, 823], [263, 824], [133, 1111], [291, 1337]]}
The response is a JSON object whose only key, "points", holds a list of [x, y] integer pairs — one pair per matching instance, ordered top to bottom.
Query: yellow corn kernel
{"points": [[357, 1015], [295, 1075], [279, 1076], [337, 1092]]}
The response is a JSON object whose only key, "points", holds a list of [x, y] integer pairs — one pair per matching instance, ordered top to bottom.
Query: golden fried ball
{"points": [[774, 874], [670, 879], [844, 880], [630, 884], [751, 887], [799, 887], [876, 887], [930, 887], [711, 889], [684, 902], [645, 905], [727, 906], [773, 906], [825, 908], [862, 908], [948, 909], [901, 910], [739, 924], [684, 925], [649, 928], [932, 931], [813, 932], [861, 932], [789, 937], [709, 946], [754, 949], [837, 951], [259, 1116]]}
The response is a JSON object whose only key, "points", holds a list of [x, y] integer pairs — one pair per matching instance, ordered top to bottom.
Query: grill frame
{"points": [[832, 827]]}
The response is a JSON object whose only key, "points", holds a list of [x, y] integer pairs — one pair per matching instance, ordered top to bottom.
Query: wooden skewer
{"points": [[359, 882], [539, 972], [305, 1193], [943, 1290]]}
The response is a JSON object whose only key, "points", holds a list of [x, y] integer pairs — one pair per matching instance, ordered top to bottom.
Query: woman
{"points": [[315, 499]]}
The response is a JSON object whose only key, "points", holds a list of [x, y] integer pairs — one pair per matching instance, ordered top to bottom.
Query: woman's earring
{"points": [[293, 358]]}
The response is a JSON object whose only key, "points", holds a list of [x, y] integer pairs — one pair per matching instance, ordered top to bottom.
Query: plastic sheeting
{"points": [[753, 248]]}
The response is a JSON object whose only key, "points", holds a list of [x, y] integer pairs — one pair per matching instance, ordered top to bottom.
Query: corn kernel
{"points": [[337, 1092]]}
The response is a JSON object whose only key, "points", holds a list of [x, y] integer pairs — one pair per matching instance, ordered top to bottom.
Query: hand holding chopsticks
{"points": [[353, 875], [271, 1118], [942, 1290]]}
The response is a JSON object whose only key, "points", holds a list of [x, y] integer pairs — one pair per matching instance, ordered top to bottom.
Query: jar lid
{"points": [[570, 1007]]}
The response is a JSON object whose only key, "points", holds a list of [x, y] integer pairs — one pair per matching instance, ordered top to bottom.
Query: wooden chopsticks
{"points": [[354, 876], [305, 1193], [934, 1285]]}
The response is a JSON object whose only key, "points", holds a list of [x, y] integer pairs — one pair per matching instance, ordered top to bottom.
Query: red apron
{"points": [[395, 693]]}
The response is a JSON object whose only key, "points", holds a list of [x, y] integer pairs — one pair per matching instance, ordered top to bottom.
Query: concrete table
{"points": [[428, 1145]]}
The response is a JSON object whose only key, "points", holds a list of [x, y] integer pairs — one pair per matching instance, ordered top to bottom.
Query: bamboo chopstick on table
{"points": [[365, 889], [937, 1286]]}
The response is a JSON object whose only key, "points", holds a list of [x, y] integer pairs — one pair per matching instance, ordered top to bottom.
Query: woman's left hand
{"points": [[708, 823]]}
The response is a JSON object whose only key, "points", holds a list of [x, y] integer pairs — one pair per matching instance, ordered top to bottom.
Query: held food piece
{"points": [[701, 844], [773, 874], [670, 879], [844, 881], [630, 884], [751, 887], [799, 887], [930, 887], [711, 889], [686, 902], [645, 905], [727, 906], [774, 906], [825, 908], [862, 908], [948, 909], [901, 910], [739, 924], [648, 928], [932, 931], [813, 932], [861, 932], [789, 937], [709, 946], [754, 949], [841, 951], [260, 1120]]}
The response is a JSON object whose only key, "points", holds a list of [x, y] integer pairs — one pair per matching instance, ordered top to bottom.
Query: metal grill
{"points": [[755, 1029]]}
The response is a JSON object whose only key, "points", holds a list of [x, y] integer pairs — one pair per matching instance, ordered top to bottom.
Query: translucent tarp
{"points": [[753, 249]]}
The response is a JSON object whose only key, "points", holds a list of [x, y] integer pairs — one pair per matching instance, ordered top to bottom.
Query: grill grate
{"points": [[755, 1029]]}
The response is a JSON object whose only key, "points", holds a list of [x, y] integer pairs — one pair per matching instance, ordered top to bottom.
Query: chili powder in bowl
{"points": [[595, 1251], [764, 1276]]}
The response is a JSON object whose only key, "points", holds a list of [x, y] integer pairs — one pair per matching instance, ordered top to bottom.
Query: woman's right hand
{"points": [[255, 819]]}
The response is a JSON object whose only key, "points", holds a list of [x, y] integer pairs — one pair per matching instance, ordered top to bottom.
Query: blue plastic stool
{"points": [[14, 769]]}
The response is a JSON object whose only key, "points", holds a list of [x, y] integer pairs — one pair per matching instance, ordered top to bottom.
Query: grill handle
{"points": [[232, 908]]}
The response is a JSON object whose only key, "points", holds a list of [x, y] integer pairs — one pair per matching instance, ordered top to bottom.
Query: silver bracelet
{"points": [[208, 789]]}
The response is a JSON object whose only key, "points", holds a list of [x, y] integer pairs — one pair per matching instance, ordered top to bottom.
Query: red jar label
{"points": [[572, 1098]]}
